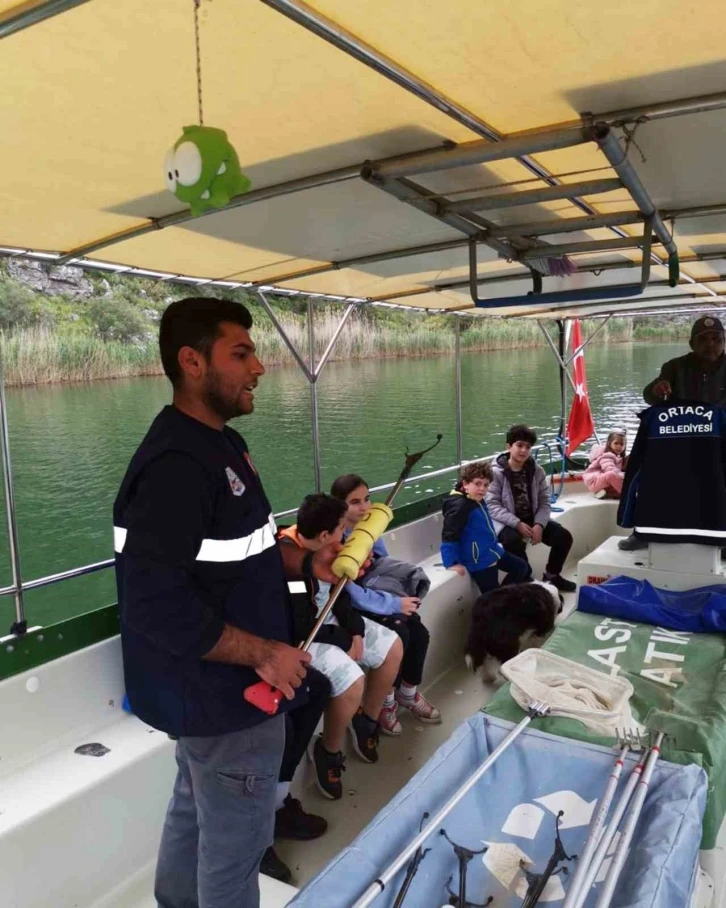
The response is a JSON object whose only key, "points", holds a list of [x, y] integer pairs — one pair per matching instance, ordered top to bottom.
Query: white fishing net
{"points": [[599, 701]]}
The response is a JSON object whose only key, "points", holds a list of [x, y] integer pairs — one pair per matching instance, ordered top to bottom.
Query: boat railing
{"points": [[109, 562]]}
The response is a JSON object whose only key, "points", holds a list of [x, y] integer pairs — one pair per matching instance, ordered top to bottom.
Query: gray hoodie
{"points": [[500, 498]]}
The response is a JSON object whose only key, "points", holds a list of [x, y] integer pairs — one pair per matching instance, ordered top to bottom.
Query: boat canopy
{"points": [[418, 153]]}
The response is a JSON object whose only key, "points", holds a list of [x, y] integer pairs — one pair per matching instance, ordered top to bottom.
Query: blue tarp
{"points": [[700, 611], [513, 808]]}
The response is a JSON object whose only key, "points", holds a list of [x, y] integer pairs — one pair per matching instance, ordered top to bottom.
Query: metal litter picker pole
{"points": [[268, 698], [536, 709], [596, 827], [609, 834], [626, 836]]}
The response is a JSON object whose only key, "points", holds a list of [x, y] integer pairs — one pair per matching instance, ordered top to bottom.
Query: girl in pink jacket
{"points": [[605, 474]]}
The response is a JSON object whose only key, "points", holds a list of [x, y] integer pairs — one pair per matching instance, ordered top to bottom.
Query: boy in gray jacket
{"points": [[519, 504]]}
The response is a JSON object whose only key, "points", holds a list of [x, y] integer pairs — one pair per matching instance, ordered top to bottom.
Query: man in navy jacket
{"points": [[203, 605]]}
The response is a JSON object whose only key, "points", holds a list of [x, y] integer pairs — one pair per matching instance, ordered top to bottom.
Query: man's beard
{"points": [[222, 404]]}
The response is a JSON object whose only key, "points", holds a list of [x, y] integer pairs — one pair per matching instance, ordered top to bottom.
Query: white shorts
{"points": [[340, 669]]}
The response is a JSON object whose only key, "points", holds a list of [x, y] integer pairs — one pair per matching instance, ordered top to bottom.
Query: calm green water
{"points": [[70, 444]]}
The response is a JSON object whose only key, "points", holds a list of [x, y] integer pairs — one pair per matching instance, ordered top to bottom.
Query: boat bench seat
{"points": [[77, 829]]}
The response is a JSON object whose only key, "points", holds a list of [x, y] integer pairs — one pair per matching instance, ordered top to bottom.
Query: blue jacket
{"points": [[468, 536], [195, 550]]}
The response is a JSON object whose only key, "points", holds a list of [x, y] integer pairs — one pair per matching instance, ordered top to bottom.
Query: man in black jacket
{"points": [[697, 376], [202, 592]]}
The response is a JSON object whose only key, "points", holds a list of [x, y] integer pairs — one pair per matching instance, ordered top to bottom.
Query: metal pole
{"points": [[32, 13], [677, 108], [483, 151], [618, 159], [325, 178], [535, 196], [699, 211], [568, 225], [540, 250], [391, 255], [350, 308], [623, 308], [286, 340], [589, 340], [562, 341], [560, 360], [313, 379], [459, 421], [20, 625], [595, 830], [626, 836], [607, 837], [377, 887]]}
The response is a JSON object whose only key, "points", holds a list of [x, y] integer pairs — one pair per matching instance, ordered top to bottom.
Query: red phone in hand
{"points": [[264, 696]]}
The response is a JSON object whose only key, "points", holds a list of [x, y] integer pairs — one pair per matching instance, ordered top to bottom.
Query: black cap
{"points": [[704, 325]]}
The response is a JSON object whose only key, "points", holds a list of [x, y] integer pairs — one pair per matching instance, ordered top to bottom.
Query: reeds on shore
{"points": [[38, 355]]}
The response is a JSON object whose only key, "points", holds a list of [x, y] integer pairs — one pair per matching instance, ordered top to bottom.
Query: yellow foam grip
{"points": [[360, 542]]}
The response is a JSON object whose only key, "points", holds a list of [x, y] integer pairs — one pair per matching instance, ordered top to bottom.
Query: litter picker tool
{"points": [[346, 567], [536, 709], [596, 827], [607, 836], [626, 836], [464, 857], [412, 868], [538, 881]]}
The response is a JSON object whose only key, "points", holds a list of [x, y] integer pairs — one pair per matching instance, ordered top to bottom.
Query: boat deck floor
{"points": [[367, 789]]}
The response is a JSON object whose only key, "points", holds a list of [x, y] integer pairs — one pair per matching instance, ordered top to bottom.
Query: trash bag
{"points": [[702, 610]]}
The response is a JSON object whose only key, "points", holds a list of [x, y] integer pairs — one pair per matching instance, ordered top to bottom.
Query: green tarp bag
{"points": [[679, 682]]}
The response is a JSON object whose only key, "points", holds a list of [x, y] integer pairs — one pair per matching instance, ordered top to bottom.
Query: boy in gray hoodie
{"points": [[519, 504]]}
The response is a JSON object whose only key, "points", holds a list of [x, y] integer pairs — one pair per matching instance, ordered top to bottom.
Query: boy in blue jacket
{"points": [[468, 539]]}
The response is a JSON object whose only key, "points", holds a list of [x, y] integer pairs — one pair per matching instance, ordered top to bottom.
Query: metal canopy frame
{"points": [[517, 242], [520, 242], [310, 370]]}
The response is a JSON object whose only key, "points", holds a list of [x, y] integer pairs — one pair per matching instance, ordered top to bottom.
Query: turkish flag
{"points": [[580, 425]]}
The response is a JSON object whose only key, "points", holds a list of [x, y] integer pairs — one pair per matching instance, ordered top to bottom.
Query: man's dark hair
{"points": [[195, 322], [521, 433], [480, 469], [345, 484], [318, 513]]}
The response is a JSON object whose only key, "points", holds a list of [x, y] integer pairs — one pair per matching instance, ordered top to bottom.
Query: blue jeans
{"points": [[516, 569], [220, 819]]}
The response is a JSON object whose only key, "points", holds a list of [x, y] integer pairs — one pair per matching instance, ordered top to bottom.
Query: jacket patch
{"points": [[250, 464], [235, 483]]}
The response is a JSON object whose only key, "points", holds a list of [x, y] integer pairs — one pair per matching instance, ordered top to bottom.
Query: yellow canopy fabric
{"points": [[93, 97]]}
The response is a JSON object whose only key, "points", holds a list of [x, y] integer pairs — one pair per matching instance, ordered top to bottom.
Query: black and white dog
{"points": [[507, 620]]}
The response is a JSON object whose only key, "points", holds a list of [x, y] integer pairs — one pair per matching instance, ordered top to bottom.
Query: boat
{"points": [[462, 159]]}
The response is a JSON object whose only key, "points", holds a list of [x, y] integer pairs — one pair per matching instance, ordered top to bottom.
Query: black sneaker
{"points": [[632, 543], [559, 583], [364, 733], [328, 769], [291, 822], [272, 865]]}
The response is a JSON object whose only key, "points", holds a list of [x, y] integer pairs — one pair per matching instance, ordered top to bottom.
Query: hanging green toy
{"points": [[202, 169]]}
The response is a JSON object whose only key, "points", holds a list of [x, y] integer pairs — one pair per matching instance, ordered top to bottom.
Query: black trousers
{"points": [[555, 536], [415, 639], [300, 723]]}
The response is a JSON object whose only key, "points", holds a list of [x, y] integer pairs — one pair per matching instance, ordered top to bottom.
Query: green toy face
{"points": [[202, 169]]}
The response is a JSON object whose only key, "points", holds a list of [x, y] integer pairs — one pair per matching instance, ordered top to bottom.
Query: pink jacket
{"points": [[602, 461]]}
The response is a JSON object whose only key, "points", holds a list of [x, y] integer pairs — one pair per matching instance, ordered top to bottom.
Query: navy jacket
{"points": [[675, 481], [468, 536], [195, 549]]}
